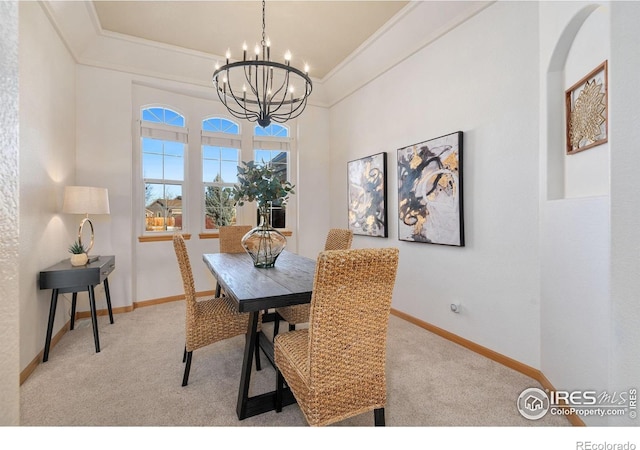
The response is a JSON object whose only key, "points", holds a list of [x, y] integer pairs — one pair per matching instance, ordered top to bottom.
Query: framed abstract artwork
{"points": [[587, 111], [430, 191], [367, 192]]}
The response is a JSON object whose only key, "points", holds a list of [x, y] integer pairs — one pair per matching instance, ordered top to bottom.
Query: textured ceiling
{"points": [[318, 33]]}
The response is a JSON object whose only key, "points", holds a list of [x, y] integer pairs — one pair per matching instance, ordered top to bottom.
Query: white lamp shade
{"points": [[85, 200]]}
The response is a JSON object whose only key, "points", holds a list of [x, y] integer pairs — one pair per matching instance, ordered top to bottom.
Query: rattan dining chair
{"points": [[230, 237], [337, 239], [207, 320], [336, 368]]}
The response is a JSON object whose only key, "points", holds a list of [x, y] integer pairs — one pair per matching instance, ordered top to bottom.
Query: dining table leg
{"points": [[247, 360]]}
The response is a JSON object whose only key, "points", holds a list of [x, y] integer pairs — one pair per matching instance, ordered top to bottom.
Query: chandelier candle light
{"points": [[261, 90]]}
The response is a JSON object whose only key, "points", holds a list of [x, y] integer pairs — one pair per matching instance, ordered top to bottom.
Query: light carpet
{"points": [[136, 378]]}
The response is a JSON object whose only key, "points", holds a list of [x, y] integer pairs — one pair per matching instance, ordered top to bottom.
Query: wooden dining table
{"points": [[254, 290]]}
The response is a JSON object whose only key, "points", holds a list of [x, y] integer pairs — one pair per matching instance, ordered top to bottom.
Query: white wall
{"points": [[479, 78], [47, 164], [314, 184], [575, 231], [9, 286], [624, 335]]}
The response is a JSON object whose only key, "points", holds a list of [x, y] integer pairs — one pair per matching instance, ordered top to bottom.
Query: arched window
{"points": [[163, 144], [221, 145], [271, 145]]}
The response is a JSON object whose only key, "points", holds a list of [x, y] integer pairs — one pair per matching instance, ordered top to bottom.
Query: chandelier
{"points": [[260, 90]]}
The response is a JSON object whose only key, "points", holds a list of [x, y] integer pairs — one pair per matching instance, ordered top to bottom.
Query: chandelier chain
{"points": [[264, 36]]}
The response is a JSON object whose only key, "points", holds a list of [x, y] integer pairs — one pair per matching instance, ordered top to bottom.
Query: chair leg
{"points": [[276, 324], [292, 327], [184, 355], [258, 366], [187, 368], [279, 388], [378, 415]]}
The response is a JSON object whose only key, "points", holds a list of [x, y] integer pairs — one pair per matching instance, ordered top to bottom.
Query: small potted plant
{"points": [[261, 183], [78, 254]]}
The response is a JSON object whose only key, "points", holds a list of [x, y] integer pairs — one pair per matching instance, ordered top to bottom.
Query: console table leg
{"points": [[106, 293], [74, 299], [52, 316], [94, 318]]}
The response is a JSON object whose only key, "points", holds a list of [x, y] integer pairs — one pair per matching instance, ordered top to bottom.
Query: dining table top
{"points": [[289, 282]]}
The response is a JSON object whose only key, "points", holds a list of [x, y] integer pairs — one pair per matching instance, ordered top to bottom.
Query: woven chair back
{"points": [[231, 238], [338, 239], [185, 268], [349, 316]]}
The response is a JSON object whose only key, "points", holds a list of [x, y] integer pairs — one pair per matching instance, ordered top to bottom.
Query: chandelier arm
{"points": [[298, 72], [285, 86], [235, 99], [295, 112], [246, 114]]}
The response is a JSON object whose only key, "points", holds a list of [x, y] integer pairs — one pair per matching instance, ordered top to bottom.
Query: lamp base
{"points": [[92, 259]]}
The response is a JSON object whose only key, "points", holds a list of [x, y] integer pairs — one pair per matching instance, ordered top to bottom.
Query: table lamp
{"points": [[86, 200]]}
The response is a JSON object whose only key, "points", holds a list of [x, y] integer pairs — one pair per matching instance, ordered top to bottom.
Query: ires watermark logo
{"points": [[534, 403]]}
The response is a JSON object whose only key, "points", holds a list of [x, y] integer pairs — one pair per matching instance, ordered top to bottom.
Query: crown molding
{"points": [[415, 26]]}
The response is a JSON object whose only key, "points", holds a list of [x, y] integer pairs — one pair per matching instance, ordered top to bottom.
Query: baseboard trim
{"points": [[506, 361]]}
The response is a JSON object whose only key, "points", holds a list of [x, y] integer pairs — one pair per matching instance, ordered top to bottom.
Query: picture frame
{"points": [[587, 111], [367, 195], [430, 206]]}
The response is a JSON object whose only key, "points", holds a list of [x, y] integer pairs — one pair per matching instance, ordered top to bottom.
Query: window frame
{"points": [[162, 132], [217, 139], [271, 143]]}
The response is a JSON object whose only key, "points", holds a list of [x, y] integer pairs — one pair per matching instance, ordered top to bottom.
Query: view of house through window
{"points": [[163, 141]]}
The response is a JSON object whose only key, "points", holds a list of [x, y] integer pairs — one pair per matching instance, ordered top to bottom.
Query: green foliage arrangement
{"points": [[260, 183], [77, 248]]}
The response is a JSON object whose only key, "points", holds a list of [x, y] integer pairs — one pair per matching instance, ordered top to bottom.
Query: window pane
{"points": [[152, 115], [163, 115], [172, 118], [220, 125], [273, 130], [173, 148], [210, 152], [229, 154], [261, 156], [279, 157], [162, 159], [152, 165], [173, 168], [210, 170], [229, 171], [218, 207], [163, 208], [277, 218]]}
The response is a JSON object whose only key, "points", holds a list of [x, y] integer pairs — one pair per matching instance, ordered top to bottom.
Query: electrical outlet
{"points": [[455, 307]]}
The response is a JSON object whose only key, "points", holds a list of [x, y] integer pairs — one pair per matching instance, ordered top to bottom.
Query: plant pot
{"points": [[264, 243], [79, 259]]}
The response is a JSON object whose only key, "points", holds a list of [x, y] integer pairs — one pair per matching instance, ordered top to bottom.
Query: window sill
{"points": [[216, 234], [187, 236], [161, 237]]}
